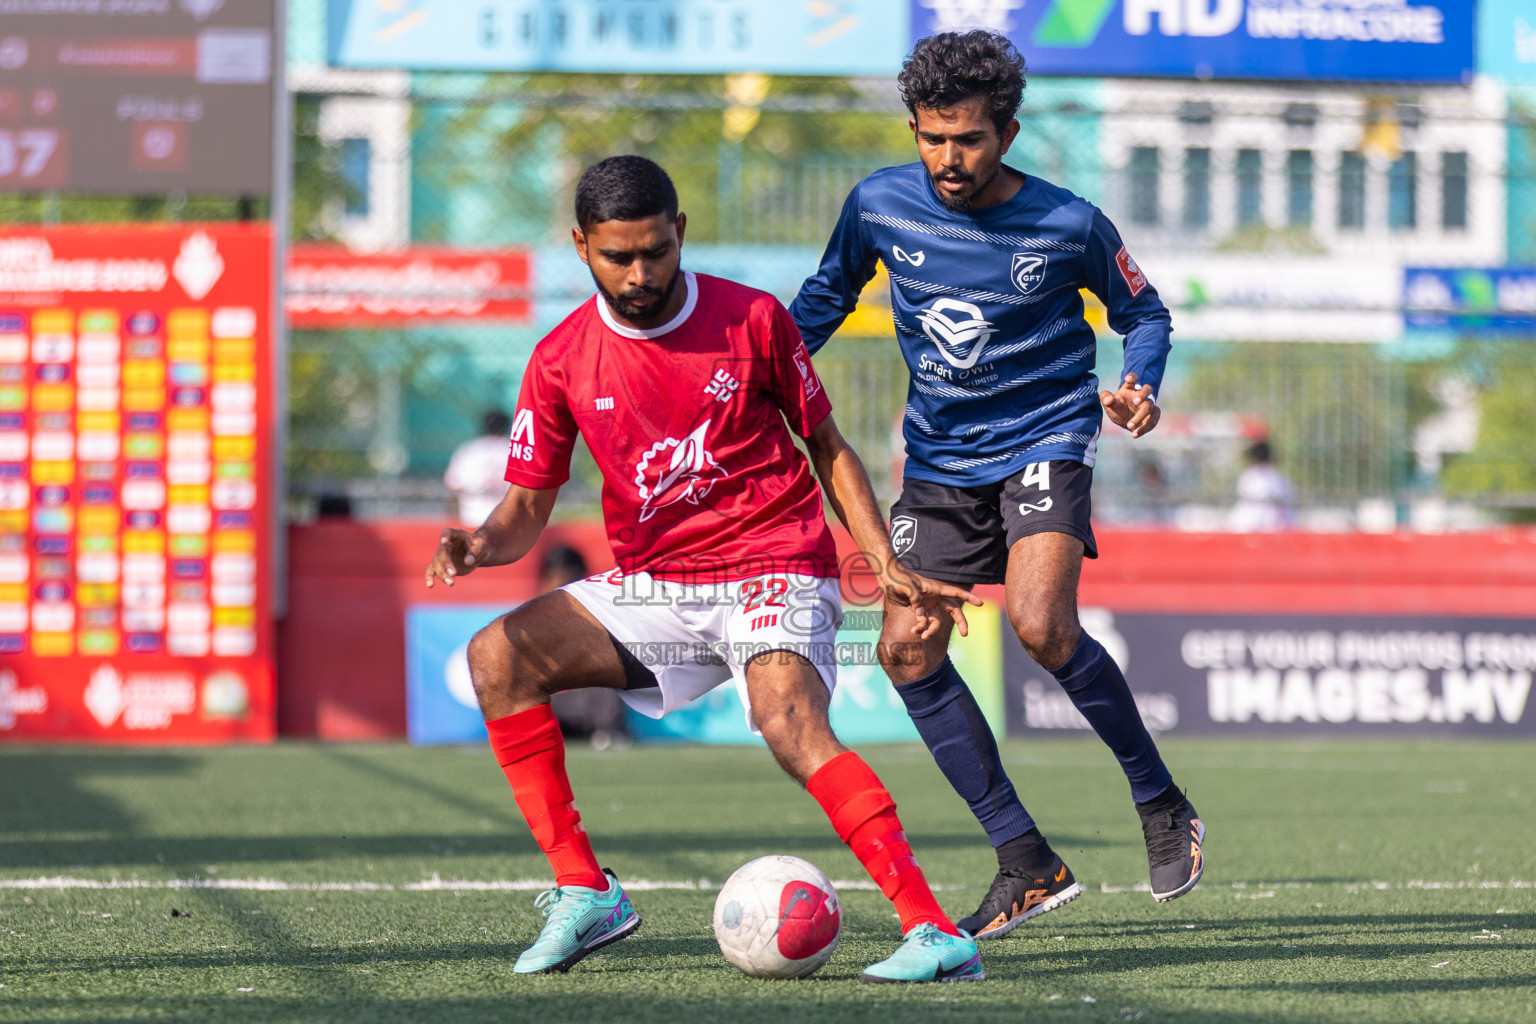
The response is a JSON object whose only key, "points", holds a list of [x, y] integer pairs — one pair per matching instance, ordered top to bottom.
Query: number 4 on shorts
{"points": [[1037, 474]]}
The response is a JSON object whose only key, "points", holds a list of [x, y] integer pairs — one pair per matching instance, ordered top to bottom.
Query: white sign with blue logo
{"points": [[826, 37], [1327, 40]]}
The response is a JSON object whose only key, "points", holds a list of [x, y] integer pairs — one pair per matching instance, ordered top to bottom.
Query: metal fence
{"points": [[1367, 432]]}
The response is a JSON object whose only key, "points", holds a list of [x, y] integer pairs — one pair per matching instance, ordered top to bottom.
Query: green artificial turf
{"points": [[1360, 881]]}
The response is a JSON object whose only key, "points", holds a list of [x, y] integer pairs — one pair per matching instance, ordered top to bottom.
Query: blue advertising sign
{"points": [[801, 37], [1506, 39], [1328, 40], [1467, 298], [440, 703], [865, 708]]}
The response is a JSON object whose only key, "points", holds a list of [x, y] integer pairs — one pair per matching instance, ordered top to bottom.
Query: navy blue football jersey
{"points": [[990, 319]]}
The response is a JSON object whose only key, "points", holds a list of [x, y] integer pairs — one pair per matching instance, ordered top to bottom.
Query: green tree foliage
{"points": [[1502, 466]]}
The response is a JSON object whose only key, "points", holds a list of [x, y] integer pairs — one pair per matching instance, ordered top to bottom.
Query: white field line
{"points": [[433, 884], [439, 884], [1349, 886]]}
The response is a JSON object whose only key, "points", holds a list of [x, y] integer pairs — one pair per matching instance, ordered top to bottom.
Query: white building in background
{"points": [[366, 117], [1288, 211]]}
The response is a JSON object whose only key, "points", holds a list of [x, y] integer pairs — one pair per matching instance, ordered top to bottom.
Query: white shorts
{"points": [[695, 636]]}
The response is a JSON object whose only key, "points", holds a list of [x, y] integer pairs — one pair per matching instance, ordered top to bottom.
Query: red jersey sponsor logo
{"points": [[1135, 280], [808, 378], [522, 435]]}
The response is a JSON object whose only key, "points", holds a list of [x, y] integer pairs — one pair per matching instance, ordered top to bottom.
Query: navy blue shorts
{"points": [[962, 534]]}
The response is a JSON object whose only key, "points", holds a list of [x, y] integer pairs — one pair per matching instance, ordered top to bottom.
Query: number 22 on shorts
{"points": [[1038, 476], [752, 594]]}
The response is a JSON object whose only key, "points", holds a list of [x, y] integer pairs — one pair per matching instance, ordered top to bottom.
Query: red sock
{"points": [[531, 752], [864, 816]]}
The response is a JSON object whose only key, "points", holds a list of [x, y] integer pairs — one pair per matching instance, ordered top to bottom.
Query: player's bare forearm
{"points": [[842, 475], [514, 525], [507, 534]]}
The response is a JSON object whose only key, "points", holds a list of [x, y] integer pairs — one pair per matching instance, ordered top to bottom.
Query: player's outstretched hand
{"points": [[1131, 407], [458, 552], [929, 599]]}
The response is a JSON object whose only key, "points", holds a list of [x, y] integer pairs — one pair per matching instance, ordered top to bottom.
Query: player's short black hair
{"points": [[951, 67], [624, 188], [1260, 452]]}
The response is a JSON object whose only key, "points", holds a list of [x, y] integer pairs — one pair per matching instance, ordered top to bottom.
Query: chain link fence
{"points": [[1252, 185]]}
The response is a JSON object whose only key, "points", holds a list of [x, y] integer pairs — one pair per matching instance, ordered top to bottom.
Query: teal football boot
{"points": [[580, 920], [928, 954]]}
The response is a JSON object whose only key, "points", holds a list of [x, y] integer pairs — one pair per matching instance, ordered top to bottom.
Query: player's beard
{"points": [[962, 203], [624, 305]]}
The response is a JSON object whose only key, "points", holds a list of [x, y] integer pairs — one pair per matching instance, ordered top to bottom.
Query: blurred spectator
{"points": [[477, 470], [1265, 498], [331, 505], [1156, 509], [593, 711]]}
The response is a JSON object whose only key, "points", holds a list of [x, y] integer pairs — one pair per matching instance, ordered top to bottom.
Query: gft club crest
{"points": [[1028, 271], [689, 475]]}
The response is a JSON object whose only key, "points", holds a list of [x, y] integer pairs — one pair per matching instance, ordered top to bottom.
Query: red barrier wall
{"points": [[341, 649]]}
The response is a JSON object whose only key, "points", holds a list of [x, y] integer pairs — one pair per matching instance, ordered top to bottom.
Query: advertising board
{"points": [[830, 37], [1506, 39], [1324, 40], [136, 98], [332, 286], [1471, 298], [135, 413], [1355, 675], [441, 705]]}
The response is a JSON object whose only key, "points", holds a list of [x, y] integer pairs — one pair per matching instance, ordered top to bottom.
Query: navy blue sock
{"points": [[1098, 689], [952, 725]]}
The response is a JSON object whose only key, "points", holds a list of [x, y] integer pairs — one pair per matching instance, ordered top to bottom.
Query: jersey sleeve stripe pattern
{"points": [[972, 234], [935, 288]]}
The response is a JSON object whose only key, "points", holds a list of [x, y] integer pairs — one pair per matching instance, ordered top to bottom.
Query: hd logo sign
{"points": [[1335, 40]]}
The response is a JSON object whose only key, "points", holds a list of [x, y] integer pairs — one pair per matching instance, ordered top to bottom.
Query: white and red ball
{"points": [[778, 917]]}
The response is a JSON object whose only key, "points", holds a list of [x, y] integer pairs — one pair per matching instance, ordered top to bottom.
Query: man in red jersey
{"points": [[681, 385]]}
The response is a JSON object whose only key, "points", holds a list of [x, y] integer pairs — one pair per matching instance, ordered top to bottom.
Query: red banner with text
{"points": [[332, 286], [135, 498]]}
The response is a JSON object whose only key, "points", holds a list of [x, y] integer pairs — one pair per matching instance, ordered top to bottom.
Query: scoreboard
{"points": [[136, 97], [135, 416]]}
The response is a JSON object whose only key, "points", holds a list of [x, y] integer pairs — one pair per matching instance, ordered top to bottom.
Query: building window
{"points": [[356, 155], [1144, 174], [1250, 187], [1197, 188], [1298, 188], [1453, 191], [1351, 192], [1402, 193]]}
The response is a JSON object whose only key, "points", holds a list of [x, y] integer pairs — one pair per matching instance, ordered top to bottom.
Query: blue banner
{"points": [[801, 37], [1506, 39], [1311, 40], [1500, 299], [440, 705]]}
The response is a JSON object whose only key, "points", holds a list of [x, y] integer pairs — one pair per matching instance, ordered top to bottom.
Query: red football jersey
{"points": [[701, 479]]}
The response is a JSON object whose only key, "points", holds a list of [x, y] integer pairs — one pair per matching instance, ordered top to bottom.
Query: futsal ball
{"points": [[778, 917]]}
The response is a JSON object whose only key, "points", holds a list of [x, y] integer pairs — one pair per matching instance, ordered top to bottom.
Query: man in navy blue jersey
{"points": [[1002, 420]]}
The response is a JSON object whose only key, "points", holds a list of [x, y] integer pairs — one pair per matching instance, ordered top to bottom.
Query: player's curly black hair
{"points": [[950, 67], [624, 188]]}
